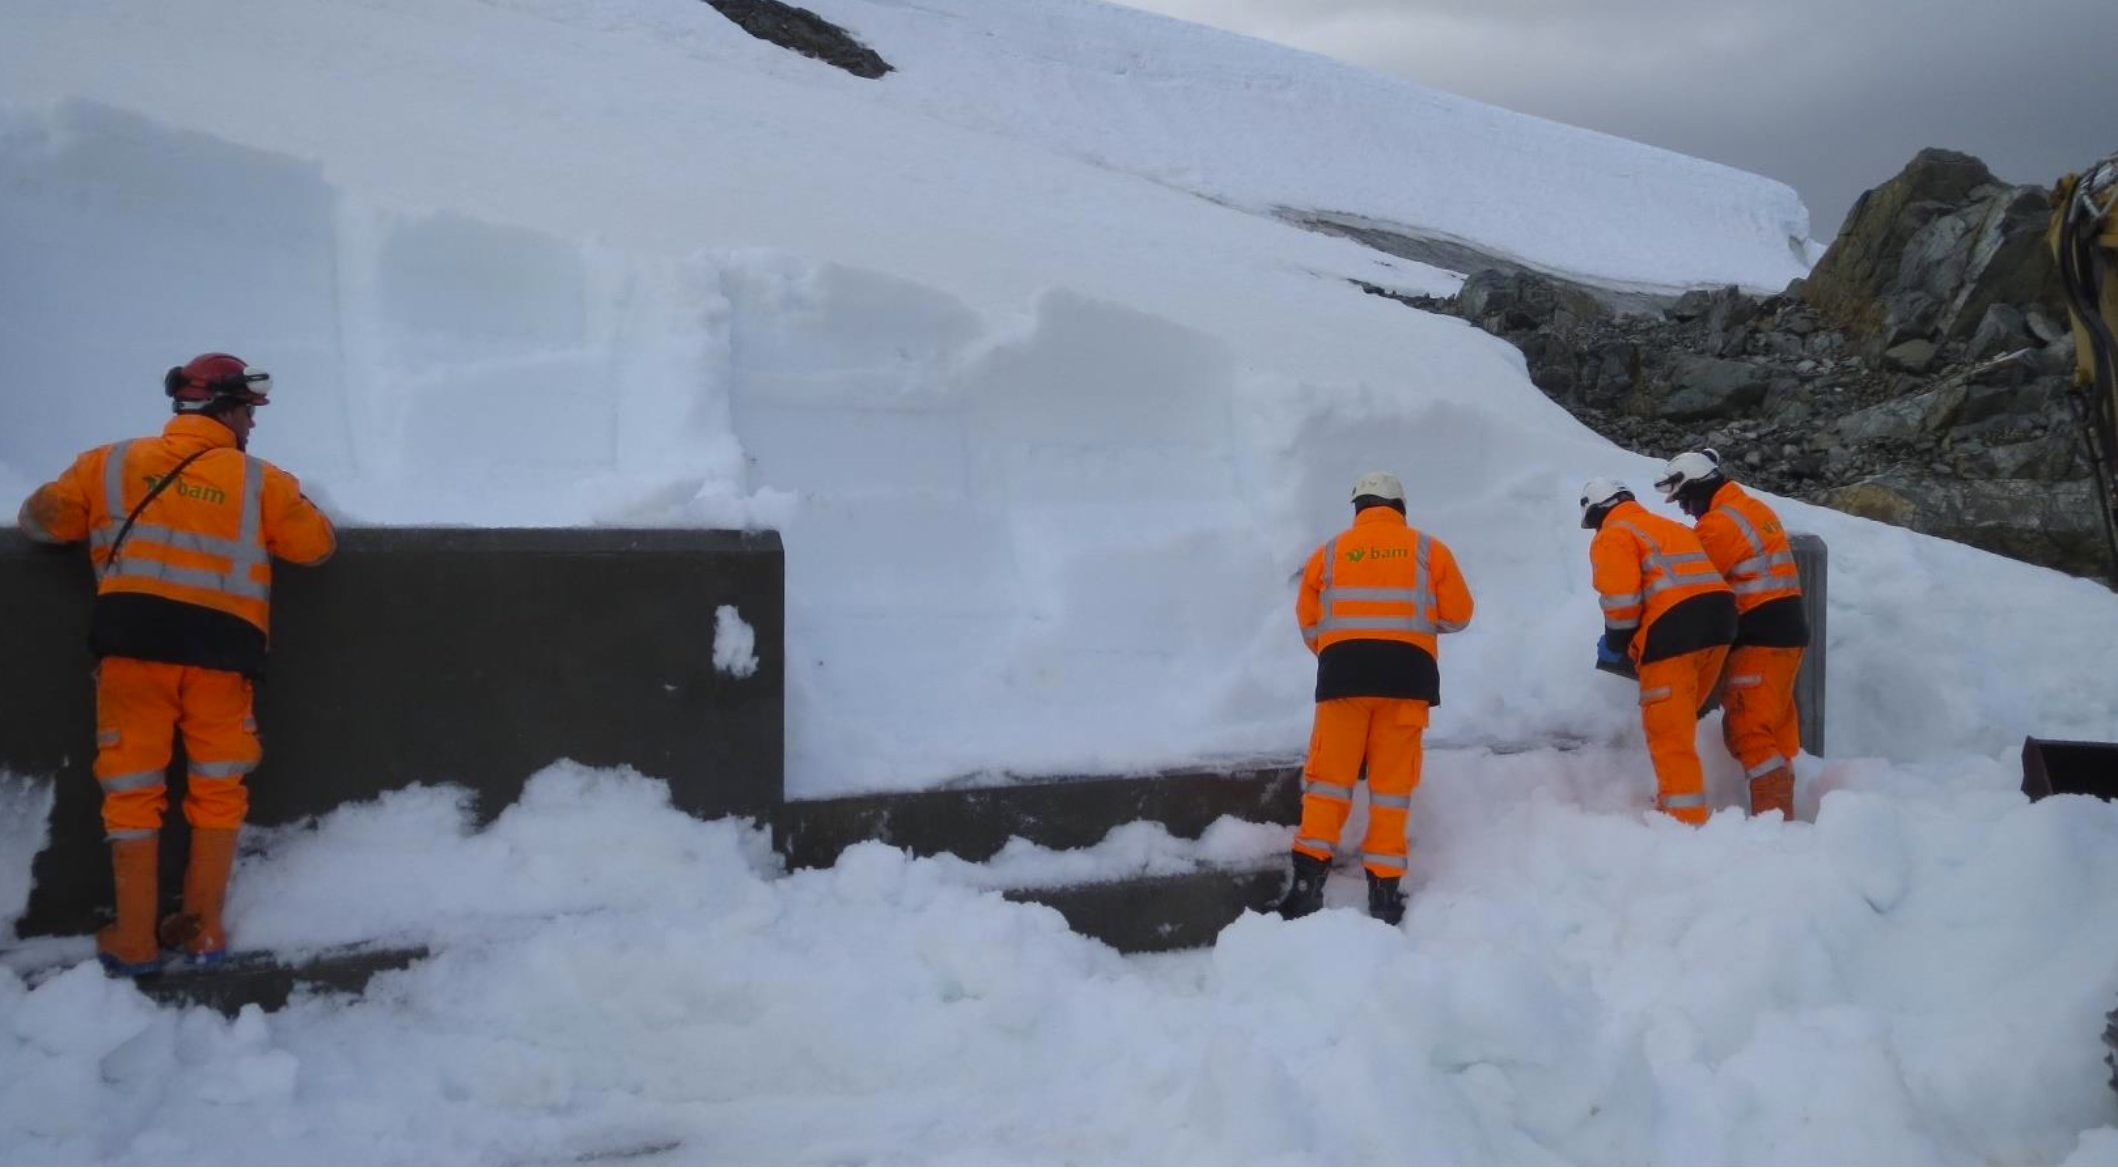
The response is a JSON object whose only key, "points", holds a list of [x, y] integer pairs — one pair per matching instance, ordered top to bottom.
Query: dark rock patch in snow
{"points": [[805, 32]]}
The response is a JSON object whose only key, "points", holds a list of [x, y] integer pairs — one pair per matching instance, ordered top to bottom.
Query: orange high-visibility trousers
{"points": [[1671, 692], [140, 706], [1759, 720], [1384, 733]]}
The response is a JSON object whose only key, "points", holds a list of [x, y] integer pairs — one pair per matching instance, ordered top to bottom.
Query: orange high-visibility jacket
{"points": [[1744, 539], [206, 542], [1648, 569], [1373, 600]]}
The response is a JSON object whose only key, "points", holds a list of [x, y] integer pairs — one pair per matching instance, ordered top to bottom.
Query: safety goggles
{"points": [[253, 386]]}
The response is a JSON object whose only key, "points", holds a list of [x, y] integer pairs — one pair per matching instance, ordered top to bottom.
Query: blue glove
{"points": [[1610, 652]]}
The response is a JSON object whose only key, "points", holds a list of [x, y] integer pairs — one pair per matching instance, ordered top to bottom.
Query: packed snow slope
{"points": [[1050, 405]]}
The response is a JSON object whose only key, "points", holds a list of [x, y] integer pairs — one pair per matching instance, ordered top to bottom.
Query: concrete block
{"points": [[1813, 562], [431, 655], [975, 823], [1151, 914], [266, 984]]}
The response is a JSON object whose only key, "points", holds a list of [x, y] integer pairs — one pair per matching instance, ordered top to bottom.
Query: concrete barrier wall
{"points": [[1813, 561], [428, 655], [1058, 813]]}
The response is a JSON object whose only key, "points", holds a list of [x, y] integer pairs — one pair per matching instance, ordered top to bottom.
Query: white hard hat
{"points": [[1687, 468], [1381, 485], [1600, 493]]}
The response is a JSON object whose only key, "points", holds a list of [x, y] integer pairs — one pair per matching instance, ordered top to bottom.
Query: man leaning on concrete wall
{"points": [[182, 529]]}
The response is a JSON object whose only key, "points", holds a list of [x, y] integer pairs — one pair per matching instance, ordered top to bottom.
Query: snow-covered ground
{"points": [[1049, 404]]}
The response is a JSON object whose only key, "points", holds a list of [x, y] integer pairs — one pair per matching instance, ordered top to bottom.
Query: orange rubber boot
{"points": [[1773, 791], [197, 930], [127, 947]]}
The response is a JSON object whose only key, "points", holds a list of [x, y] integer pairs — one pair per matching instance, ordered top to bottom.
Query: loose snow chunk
{"points": [[734, 643]]}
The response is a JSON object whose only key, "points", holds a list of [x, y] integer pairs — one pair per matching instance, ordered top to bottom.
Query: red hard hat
{"points": [[210, 376]]}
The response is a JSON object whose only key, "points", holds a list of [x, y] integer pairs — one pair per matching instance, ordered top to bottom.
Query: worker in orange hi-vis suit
{"points": [[182, 529], [1748, 545], [1373, 600], [1668, 612]]}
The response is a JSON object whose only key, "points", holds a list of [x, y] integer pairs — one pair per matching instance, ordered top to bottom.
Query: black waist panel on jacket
{"points": [[1694, 623], [1779, 623], [157, 629], [1367, 668]]}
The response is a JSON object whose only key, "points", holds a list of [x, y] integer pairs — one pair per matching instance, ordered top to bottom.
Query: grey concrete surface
{"points": [[1813, 561], [431, 655], [975, 823], [1151, 914]]}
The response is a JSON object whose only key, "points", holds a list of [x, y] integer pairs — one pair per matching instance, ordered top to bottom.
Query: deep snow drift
{"points": [[1049, 406], [1906, 981]]}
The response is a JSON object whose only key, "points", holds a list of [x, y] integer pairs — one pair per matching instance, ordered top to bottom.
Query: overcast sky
{"points": [[1831, 97]]}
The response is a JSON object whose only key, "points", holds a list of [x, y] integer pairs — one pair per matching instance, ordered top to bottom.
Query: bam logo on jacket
{"points": [[203, 492], [1356, 555]]}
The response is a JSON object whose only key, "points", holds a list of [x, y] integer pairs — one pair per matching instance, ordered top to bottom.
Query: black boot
{"points": [[1305, 894], [1386, 903]]}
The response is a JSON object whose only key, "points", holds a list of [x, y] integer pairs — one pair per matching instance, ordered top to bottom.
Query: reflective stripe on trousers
{"points": [[1765, 768]]}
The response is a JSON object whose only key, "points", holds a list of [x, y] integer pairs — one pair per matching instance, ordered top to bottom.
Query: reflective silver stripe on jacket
{"points": [[114, 483], [29, 525], [193, 542], [242, 553], [1689, 568], [1753, 573], [235, 582], [1420, 596], [1622, 601], [1739, 680], [1656, 695], [1772, 764], [232, 769], [132, 781], [1343, 793], [1695, 800], [1382, 801], [1394, 860]]}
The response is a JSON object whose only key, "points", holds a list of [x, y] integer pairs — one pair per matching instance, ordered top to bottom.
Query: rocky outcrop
{"points": [[804, 32], [1929, 253], [1918, 376]]}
